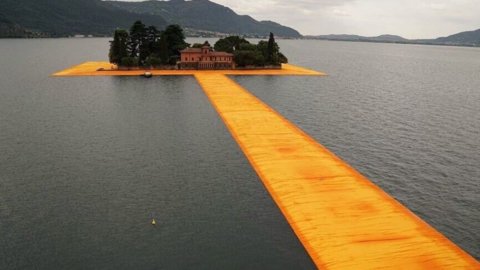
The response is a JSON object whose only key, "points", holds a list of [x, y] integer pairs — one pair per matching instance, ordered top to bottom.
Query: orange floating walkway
{"points": [[92, 69], [343, 220]]}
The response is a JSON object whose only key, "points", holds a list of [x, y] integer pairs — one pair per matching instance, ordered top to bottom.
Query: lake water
{"points": [[87, 162]]}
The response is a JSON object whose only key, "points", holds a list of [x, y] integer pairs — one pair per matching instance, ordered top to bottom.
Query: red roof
{"points": [[191, 50], [210, 53], [220, 54]]}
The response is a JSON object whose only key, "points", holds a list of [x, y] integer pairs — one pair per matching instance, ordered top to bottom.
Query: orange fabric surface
{"points": [[90, 69], [343, 220]]}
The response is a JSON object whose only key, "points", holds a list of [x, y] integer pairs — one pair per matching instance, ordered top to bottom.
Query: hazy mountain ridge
{"points": [[207, 16], [68, 17], [58, 18], [10, 29], [386, 38], [468, 38]]}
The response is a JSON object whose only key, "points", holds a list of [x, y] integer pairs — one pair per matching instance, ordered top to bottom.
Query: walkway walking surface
{"points": [[107, 69], [343, 219]]}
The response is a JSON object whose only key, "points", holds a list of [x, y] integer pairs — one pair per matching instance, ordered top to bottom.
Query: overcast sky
{"points": [[407, 18]]}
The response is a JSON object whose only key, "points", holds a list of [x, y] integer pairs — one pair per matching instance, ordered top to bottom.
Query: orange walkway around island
{"points": [[91, 69], [343, 220]]}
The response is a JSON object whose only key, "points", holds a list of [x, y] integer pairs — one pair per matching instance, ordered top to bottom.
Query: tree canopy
{"points": [[175, 39], [230, 44], [147, 46], [118, 47], [246, 54]]}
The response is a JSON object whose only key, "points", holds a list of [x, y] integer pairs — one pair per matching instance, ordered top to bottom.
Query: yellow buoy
{"points": [[154, 222]]}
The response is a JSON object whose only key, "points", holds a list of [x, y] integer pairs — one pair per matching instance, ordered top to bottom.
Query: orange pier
{"points": [[93, 69], [343, 219]]}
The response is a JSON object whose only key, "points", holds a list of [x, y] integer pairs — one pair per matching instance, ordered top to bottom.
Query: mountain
{"points": [[208, 16], [68, 17], [58, 18], [10, 29], [337, 37], [469, 37], [381, 38], [388, 38]]}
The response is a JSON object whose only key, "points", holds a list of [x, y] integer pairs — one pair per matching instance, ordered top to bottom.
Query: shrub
{"points": [[282, 58], [129, 61], [153, 61]]}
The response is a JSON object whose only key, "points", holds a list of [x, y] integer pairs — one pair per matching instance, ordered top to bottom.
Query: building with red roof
{"points": [[205, 58]]}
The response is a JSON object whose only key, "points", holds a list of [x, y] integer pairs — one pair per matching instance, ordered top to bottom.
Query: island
{"points": [[145, 47]]}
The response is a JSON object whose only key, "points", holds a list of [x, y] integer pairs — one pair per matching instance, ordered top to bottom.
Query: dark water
{"points": [[407, 117], [87, 162]]}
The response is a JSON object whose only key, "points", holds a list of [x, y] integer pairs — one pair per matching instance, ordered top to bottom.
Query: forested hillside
{"points": [[206, 15], [70, 17], [57, 18], [469, 37]]}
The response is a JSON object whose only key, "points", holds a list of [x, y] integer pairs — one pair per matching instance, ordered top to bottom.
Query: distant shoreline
{"points": [[280, 38], [397, 42]]}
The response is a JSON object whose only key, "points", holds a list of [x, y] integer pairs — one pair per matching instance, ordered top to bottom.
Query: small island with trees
{"points": [[145, 47]]}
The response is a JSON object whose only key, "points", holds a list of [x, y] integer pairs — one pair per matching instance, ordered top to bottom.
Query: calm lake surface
{"points": [[87, 162]]}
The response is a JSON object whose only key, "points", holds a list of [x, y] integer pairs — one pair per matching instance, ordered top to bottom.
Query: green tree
{"points": [[138, 33], [175, 39], [151, 40], [230, 44], [197, 45], [223, 45], [118, 46], [146, 46], [247, 47], [262, 47], [272, 49], [163, 50], [264, 53], [248, 58], [282, 58], [259, 59], [129, 61], [153, 61]]}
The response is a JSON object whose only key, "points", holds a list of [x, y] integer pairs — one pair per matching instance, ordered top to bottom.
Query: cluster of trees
{"points": [[147, 46], [265, 53]]}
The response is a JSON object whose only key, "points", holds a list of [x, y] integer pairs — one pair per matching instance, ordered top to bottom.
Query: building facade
{"points": [[205, 58]]}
